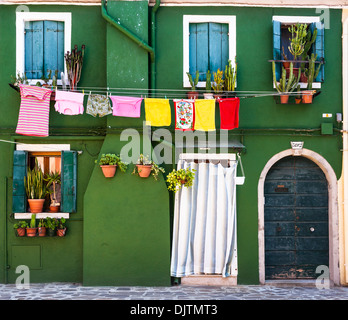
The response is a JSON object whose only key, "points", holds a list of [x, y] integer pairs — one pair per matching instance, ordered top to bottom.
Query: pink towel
{"points": [[69, 103], [126, 106], [34, 111]]}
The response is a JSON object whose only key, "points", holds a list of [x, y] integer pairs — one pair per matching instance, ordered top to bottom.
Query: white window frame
{"points": [[22, 18], [187, 19], [299, 19]]}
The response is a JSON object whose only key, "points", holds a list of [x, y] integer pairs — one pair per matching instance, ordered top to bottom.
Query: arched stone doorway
{"points": [[332, 210]]}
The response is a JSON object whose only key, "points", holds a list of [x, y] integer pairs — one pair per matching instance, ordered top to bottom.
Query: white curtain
{"points": [[204, 228]]}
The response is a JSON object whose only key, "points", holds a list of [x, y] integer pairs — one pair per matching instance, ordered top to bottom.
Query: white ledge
{"points": [[42, 215]]}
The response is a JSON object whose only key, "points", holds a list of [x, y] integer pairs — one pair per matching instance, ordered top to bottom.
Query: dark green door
{"points": [[296, 219]]}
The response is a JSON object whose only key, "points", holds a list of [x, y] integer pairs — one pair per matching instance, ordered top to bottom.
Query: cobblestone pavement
{"points": [[73, 291]]}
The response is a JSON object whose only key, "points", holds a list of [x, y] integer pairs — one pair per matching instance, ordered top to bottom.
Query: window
{"points": [[41, 41], [281, 41], [209, 42], [50, 159]]}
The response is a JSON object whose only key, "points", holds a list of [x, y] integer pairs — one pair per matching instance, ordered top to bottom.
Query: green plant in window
{"points": [[298, 39], [312, 71], [230, 76], [193, 82], [208, 82], [218, 84], [286, 85], [180, 177], [53, 179], [34, 183]]}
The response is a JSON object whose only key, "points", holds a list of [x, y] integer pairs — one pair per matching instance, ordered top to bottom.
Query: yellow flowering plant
{"points": [[180, 177]]}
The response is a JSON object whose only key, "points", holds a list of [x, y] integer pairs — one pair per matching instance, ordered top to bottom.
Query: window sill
{"points": [[41, 215]]}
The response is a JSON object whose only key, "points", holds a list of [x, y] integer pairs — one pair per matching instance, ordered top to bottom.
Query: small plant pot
{"points": [[286, 65], [192, 95], [208, 95], [307, 96], [284, 98], [298, 100], [109, 170], [144, 170], [36, 205], [54, 208], [42, 231], [20, 232], [31, 232], [50, 232], [61, 232]]}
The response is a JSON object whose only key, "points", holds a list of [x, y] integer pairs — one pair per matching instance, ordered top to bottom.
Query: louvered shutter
{"points": [[20, 164], [68, 181]]}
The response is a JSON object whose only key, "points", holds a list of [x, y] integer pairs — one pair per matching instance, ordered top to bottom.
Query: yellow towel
{"points": [[157, 112], [205, 114]]}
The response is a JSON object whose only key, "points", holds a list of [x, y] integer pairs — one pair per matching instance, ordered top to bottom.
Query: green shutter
{"points": [[319, 49], [69, 181], [19, 198]]}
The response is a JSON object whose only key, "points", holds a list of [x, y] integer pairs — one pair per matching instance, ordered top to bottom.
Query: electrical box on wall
{"points": [[326, 128]]}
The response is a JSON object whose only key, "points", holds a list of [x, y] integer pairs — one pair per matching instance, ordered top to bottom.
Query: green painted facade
{"points": [[120, 234]]}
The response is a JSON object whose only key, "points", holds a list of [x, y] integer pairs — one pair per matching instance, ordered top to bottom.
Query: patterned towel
{"points": [[184, 114]]}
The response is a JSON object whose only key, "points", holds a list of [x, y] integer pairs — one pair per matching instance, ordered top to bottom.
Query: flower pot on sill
{"points": [[286, 65], [192, 95], [307, 96], [284, 98], [108, 170], [144, 170], [36, 205], [54, 208], [42, 231], [20, 232], [31, 232], [61, 232]]}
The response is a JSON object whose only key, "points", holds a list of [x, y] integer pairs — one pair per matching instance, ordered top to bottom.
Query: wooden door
{"points": [[296, 219]]}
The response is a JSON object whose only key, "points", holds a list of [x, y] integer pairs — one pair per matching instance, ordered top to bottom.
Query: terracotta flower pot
{"points": [[192, 95], [307, 96], [284, 98], [298, 100], [108, 170], [144, 170], [36, 205], [54, 208], [42, 231], [21, 232], [31, 232], [61, 232]]}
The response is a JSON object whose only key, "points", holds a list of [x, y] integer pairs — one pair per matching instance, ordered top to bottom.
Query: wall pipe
{"points": [[135, 38]]}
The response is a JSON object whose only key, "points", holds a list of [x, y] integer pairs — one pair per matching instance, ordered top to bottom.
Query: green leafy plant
{"points": [[298, 39], [312, 71], [230, 76], [208, 81], [193, 82], [218, 84], [286, 85], [112, 159], [155, 169], [180, 177], [53, 179], [34, 183], [33, 221], [42, 223], [51, 223], [61, 223], [20, 224]]}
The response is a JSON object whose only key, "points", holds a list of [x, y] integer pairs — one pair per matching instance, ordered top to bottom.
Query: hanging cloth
{"points": [[69, 103], [98, 104], [126, 106], [157, 112], [229, 113], [184, 114], [205, 114], [33, 118], [204, 225]]}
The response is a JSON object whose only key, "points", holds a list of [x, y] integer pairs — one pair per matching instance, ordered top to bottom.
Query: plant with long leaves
{"points": [[74, 64], [34, 183]]}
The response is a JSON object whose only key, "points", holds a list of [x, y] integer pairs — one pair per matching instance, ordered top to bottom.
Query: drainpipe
{"points": [[135, 38]]}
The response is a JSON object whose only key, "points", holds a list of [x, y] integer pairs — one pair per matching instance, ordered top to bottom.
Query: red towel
{"points": [[229, 113]]}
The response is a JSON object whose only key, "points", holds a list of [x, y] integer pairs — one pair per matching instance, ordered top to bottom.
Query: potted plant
{"points": [[310, 39], [297, 41], [74, 64], [312, 72], [230, 77], [16, 81], [218, 84], [285, 86], [193, 94], [208, 94], [298, 96], [108, 163], [144, 167], [180, 177], [53, 179], [36, 188], [51, 224], [20, 228], [42, 228], [61, 228], [31, 229]]}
